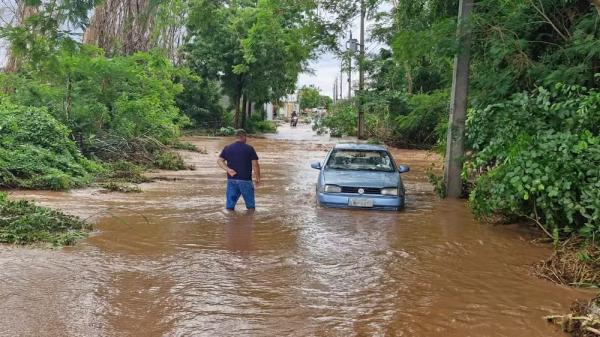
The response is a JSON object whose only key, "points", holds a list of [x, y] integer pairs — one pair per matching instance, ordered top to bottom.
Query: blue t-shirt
{"points": [[239, 157]]}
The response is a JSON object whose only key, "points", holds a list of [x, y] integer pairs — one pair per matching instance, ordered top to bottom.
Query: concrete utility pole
{"points": [[350, 52], [361, 72], [335, 90], [341, 90], [458, 105]]}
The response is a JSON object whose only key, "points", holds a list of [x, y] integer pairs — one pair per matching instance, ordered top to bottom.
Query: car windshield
{"points": [[360, 160]]}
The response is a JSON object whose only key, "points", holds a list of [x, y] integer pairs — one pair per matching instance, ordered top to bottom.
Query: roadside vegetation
{"points": [[104, 106], [533, 121], [23, 222]]}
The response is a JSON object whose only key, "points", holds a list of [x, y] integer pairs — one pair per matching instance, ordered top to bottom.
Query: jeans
{"points": [[237, 188]]}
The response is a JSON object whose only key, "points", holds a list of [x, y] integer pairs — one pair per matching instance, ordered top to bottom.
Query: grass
{"points": [[23, 222]]}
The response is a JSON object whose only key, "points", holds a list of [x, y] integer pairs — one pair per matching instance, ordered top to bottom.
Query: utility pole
{"points": [[350, 52], [361, 73], [342, 79], [335, 90], [458, 105]]}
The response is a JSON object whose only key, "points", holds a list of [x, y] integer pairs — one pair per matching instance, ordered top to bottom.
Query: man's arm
{"points": [[223, 165], [256, 170]]}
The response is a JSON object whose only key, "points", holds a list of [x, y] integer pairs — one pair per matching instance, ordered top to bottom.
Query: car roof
{"points": [[359, 146]]}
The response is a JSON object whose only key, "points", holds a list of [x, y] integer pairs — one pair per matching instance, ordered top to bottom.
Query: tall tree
{"points": [[23, 12], [122, 26], [38, 31], [256, 50]]}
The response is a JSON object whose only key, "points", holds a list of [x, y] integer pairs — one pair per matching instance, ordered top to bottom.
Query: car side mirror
{"points": [[316, 165], [403, 168]]}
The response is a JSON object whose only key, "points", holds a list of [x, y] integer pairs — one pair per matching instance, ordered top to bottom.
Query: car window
{"points": [[360, 160]]}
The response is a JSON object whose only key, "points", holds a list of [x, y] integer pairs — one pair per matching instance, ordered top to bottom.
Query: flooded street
{"points": [[171, 262]]}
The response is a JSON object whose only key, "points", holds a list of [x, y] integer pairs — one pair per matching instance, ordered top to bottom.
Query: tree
{"points": [[24, 11], [128, 26], [38, 33], [213, 45], [256, 50], [309, 97]]}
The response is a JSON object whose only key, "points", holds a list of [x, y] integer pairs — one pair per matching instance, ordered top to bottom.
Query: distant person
{"points": [[294, 119], [240, 160]]}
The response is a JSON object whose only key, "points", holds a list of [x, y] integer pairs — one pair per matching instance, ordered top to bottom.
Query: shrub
{"points": [[127, 97], [342, 120], [425, 124], [257, 125], [226, 131], [186, 146], [36, 152], [539, 158], [169, 161], [124, 171], [118, 187], [22, 222]]}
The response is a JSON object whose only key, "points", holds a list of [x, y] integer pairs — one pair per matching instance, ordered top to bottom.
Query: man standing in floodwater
{"points": [[240, 160]]}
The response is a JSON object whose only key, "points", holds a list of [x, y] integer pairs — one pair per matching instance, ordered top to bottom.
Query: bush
{"points": [[97, 97], [342, 120], [426, 123], [257, 125], [226, 131], [186, 146], [36, 152], [539, 158], [169, 161], [124, 171], [119, 187], [22, 222]]}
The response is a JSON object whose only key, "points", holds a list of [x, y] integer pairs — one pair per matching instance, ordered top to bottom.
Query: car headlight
{"points": [[332, 189], [389, 191]]}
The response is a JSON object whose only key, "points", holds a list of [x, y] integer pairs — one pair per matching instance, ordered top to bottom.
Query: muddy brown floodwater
{"points": [[171, 262]]}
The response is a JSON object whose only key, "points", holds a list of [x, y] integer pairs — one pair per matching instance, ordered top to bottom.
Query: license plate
{"points": [[357, 202]]}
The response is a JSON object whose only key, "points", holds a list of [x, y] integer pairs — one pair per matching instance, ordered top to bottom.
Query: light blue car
{"points": [[360, 176]]}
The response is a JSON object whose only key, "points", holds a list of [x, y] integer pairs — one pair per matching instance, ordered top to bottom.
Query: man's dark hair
{"points": [[240, 132]]}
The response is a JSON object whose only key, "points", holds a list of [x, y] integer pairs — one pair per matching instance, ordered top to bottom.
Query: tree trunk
{"points": [[22, 14], [122, 26], [409, 79], [249, 109], [245, 111], [236, 116]]}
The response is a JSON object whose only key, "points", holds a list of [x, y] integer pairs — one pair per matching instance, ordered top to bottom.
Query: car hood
{"points": [[361, 178]]}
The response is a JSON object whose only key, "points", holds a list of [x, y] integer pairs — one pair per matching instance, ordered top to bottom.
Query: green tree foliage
{"points": [[518, 45], [253, 49], [98, 97], [309, 97], [200, 101], [406, 102], [113, 108], [532, 126], [533, 129]]}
